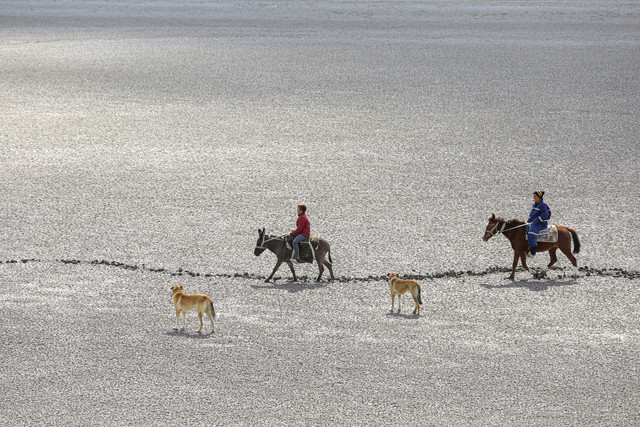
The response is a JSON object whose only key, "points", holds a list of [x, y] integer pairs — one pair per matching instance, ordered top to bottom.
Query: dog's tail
{"points": [[330, 259], [419, 295], [213, 310]]}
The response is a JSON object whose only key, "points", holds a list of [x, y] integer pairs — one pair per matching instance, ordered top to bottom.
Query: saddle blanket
{"points": [[548, 235], [306, 253]]}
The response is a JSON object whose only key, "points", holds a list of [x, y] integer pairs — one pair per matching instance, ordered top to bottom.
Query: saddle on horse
{"points": [[548, 235], [307, 247]]}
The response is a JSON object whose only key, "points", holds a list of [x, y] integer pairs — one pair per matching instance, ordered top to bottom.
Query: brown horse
{"points": [[514, 230], [277, 245]]}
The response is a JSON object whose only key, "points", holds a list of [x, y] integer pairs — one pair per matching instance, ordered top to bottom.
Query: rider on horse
{"points": [[540, 214], [302, 231]]}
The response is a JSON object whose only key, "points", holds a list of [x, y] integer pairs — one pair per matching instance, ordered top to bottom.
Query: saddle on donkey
{"points": [[547, 235], [307, 252]]}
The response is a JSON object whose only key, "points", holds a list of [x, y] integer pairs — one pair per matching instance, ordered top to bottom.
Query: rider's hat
{"points": [[539, 193]]}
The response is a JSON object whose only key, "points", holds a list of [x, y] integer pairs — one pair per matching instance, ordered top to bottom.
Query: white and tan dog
{"points": [[399, 287], [184, 303]]}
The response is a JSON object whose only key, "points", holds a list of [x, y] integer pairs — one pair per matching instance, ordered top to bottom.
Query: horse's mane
{"points": [[514, 221], [509, 222]]}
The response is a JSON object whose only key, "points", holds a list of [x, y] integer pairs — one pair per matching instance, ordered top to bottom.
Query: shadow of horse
{"points": [[532, 285], [291, 286]]}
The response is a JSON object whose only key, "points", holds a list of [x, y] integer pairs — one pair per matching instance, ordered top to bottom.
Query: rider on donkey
{"points": [[540, 214], [302, 231]]}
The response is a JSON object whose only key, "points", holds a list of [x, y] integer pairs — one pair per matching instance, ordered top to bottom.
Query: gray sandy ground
{"points": [[142, 144]]}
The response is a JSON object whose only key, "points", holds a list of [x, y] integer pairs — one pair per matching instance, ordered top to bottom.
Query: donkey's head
{"points": [[493, 227], [260, 243]]}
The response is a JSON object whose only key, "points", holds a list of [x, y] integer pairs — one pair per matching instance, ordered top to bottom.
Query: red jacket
{"points": [[304, 226]]}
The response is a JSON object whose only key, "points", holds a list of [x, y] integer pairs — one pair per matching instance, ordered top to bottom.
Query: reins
{"points": [[502, 229], [267, 240]]}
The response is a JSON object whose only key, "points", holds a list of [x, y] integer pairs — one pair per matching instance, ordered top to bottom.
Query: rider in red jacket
{"points": [[302, 231]]}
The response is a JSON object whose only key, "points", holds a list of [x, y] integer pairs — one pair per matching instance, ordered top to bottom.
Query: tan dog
{"points": [[399, 287], [184, 303]]}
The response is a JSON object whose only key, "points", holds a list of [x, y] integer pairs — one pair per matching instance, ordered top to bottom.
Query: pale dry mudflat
{"points": [[142, 144]]}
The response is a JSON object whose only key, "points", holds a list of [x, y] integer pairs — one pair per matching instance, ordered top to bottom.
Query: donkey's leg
{"points": [[278, 264], [328, 265], [320, 270], [295, 279]]}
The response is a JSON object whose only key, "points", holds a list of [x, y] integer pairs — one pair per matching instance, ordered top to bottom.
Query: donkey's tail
{"points": [[576, 240], [419, 295]]}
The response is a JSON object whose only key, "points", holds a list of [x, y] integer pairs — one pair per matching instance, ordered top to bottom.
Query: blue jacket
{"points": [[540, 213]]}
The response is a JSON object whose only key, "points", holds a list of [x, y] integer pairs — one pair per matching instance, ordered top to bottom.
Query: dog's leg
{"points": [[393, 300], [399, 302], [417, 307], [211, 312], [200, 317], [177, 318], [184, 320], [213, 328]]}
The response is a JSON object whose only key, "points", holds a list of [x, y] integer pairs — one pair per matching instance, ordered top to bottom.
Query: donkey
{"points": [[277, 245]]}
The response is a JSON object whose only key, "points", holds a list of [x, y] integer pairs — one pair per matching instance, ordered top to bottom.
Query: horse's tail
{"points": [[576, 240], [419, 295]]}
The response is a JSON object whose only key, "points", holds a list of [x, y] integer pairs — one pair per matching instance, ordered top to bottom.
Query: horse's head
{"points": [[494, 227], [260, 243]]}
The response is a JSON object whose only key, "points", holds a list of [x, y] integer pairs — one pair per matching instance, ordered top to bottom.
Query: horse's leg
{"points": [[567, 252], [552, 255], [523, 260], [278, 264], [515, 265]]}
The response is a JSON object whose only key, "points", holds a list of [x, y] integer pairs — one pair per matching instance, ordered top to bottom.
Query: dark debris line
{"points": [[586, 271]]}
